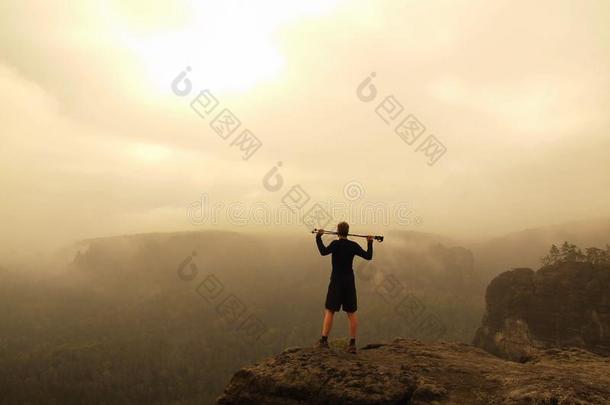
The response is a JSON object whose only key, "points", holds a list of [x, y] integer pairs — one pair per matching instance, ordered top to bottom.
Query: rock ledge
{"points": [[409, 371]]}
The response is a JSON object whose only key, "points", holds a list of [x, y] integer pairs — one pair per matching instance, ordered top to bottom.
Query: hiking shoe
{"points": [[321, 344], [351, 349]]}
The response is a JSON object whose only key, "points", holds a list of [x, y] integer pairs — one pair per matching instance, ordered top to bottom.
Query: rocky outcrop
{"points": [[563, 305], [408, 371]]}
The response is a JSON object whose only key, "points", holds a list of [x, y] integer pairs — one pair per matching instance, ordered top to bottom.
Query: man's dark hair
{"points": [[343, 228]]}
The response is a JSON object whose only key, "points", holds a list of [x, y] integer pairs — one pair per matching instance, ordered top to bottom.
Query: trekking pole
{"points": [[376, 237]]}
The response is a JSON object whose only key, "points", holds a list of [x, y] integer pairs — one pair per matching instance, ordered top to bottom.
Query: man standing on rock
{"points": [[342, 286]]}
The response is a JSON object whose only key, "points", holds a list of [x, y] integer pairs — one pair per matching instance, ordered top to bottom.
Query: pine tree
{"points": [[571, 253], [554, 254], [595, 255], [553, 257]]}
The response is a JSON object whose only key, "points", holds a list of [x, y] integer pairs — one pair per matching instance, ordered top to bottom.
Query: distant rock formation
{"points": [[457, 264], [562, 305], [407, 371]]}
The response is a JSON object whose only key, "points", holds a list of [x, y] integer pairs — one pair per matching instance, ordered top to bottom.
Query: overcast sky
{"points": [[94, 142]]}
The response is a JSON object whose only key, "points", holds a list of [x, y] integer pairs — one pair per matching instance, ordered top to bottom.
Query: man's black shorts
{"points": [[342, 293]]}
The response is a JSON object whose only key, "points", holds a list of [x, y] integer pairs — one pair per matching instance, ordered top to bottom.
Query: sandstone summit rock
{"points": [[562, 305], [408, 371]]}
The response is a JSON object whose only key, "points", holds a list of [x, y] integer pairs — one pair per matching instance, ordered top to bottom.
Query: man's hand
{"points": [[320, 232], [369, 238]]}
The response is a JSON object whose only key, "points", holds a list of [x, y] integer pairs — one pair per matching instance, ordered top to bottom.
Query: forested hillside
{"points": [[141, 319]]}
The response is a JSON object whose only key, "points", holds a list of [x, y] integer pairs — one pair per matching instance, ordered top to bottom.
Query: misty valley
{"points": [[168, 318]]}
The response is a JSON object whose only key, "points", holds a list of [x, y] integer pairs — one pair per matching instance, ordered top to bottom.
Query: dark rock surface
{"points": [[563, 305], [408, 371]]}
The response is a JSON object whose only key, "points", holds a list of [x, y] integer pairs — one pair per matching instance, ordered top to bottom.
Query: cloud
{"points": [[88, 140]]}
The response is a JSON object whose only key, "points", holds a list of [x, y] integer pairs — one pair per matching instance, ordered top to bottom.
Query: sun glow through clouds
{"points": [[229, 45]]}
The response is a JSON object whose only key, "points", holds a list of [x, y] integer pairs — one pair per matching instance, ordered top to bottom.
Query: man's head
{"points": [[343, 229]]}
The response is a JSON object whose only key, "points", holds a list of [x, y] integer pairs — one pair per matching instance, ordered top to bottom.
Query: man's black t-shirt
{"points": [[343, 252]]}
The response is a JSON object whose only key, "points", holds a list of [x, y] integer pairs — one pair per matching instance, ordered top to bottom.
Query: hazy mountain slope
{"points": [[526, 247], [129, 319]]}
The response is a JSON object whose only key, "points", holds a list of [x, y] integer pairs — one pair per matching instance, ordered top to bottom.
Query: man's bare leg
{"points": [[328, 322], [353, 324], [326, 326], [353, 328]]}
